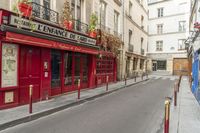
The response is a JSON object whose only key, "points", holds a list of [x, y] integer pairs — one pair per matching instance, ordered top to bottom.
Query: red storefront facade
{"points": [[50, 58]]}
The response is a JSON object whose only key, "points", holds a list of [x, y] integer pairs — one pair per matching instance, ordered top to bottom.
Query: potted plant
{"points": [[25, 7], [66, 17], [92, 25]]}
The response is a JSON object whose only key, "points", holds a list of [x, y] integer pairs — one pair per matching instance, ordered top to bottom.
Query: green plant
{"points": [[93, 22]]}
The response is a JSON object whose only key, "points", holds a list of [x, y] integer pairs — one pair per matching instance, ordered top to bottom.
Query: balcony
{"points": [[44, 13], [80, 27], [130, 48], [142, 51]]}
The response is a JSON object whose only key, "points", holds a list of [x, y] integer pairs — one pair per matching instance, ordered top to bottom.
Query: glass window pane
{"points": [[55, 66], [68, 68], [77, 68], [85, 68]]}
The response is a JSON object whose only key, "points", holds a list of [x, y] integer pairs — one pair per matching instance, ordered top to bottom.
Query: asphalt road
{"points": [[135, 109]]}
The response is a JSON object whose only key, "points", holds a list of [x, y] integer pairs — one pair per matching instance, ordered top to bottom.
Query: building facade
{"points": [[168, 30], [135, 38], [194, 47], [36, 49]]}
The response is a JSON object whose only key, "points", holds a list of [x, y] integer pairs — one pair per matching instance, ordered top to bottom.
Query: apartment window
{"points": [[141, 2], [77, 7], [46, 9], [130, 9], [160, 12], [102, 13], [116, 21], [142, 21], [182, 26], [159, 28], [130, 36], [142, 40], [181, 44], [159, 45]]}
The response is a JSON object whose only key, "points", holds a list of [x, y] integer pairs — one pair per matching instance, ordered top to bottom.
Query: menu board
{"points": [[9, 65]]}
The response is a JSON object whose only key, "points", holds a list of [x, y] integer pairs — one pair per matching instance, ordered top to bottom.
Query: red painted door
{"points": [[29, 73]]}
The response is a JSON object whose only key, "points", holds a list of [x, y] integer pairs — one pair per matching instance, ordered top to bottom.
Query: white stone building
{"points": [[168, 30], [135, 37]]}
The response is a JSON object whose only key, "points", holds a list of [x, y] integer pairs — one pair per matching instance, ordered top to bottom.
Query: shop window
{"points": [[135, 64], [141, 64], [104, 65], [161, 65], [55, 66], [68, 68], [77, 68], [85, 68]]}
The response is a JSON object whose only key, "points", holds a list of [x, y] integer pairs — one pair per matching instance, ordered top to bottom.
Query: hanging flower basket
{"points": [[25, 9], [68, 24], [197, 25], [93, 34]]}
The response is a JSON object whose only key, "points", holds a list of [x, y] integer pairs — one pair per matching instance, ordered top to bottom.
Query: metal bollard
{"points": [[142, 76], [147, 76], [135, 78], [106, 83], [79, 89], [175, 95], [30, 98], [167, 115]]}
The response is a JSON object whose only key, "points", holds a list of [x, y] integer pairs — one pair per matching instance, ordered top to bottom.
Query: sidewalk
{"points": [[18, 115], [185, 118]]}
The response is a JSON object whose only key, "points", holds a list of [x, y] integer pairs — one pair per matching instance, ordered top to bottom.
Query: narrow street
{"points": [[136, 109]]}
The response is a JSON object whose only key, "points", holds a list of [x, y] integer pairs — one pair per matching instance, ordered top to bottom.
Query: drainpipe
{"points": [[122, 50]]}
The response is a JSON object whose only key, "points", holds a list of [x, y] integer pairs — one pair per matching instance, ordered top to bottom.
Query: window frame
{"points": [[160, 12], [182, 27], [159, 28], [182, 44], [159, 45]]}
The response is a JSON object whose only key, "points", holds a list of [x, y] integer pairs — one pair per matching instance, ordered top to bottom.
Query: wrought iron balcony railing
{"points": [[42, 12], [80, 26], [130, 48]]}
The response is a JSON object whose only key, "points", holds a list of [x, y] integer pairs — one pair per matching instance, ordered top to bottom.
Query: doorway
{"points": [[154, 66], [29, 73]]}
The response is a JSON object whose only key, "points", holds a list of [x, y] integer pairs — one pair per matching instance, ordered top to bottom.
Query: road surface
{"points": [[135, 109]]}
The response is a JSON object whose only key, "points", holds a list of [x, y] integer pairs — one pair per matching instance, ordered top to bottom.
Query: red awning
{"points": [[28, 40]]}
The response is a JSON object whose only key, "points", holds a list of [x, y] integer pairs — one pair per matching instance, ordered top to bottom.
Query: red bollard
{"points": [[106, 83], [79, 89], [175, 95], [30, 98], [167, 115]]}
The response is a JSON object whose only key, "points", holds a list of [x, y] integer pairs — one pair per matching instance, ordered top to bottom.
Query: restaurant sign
{"points": [[50, 30]]}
